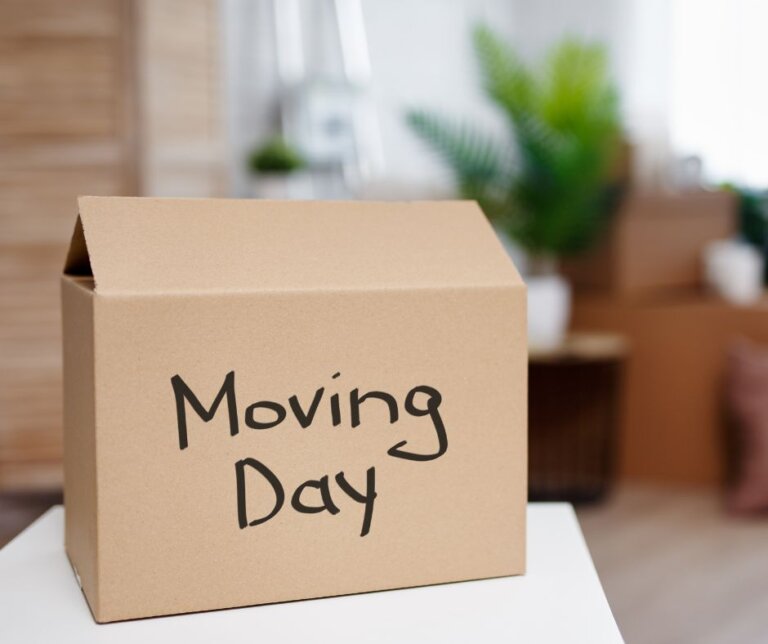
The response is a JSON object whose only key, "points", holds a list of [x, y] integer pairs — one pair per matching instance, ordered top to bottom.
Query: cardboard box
{"points": [[655, 244], [271, 401], [673, 418]]}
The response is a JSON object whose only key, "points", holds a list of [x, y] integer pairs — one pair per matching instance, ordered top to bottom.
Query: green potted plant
{"points": [[276, 167], [550, 187]]}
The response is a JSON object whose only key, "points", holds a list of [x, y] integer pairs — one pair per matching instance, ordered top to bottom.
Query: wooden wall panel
{"points": [[96, 97], [66, 128]]}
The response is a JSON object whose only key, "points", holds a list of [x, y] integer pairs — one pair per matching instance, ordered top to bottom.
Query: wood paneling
{"points": [[113, 97], [66, 100]]}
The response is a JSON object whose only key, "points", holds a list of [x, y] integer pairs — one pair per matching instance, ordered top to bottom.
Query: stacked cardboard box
{"points": [[654, 244], [646, 282], [673, 427]]}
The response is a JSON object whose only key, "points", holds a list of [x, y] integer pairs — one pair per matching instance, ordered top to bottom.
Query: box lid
{"points": [[135, 245]]}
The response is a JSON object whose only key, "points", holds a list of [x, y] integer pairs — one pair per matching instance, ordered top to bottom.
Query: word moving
{"points": [[269, 414]]}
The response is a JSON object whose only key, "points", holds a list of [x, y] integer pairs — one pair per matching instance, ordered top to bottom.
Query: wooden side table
{"points": [[574, 405]]}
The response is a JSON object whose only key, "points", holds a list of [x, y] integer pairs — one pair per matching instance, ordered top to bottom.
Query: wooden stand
{"points": [[574, 399]]}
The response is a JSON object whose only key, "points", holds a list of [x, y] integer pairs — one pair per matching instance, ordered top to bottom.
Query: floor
{"points": [[675, 568]]}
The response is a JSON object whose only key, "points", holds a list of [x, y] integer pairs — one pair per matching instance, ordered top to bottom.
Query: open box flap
{"points": [[137, 245], [78, 262]]}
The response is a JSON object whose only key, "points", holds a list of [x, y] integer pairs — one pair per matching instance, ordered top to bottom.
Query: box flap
{"points": [[137, 245]]}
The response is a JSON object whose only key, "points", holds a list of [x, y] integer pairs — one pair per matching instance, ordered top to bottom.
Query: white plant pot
{"points": [[294, 185], [734, 270], [549, 296], [549, 311]]}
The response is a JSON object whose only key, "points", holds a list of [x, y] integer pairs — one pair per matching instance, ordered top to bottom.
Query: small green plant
{"points": [[275, 157], [551, 186], [752, 213]]}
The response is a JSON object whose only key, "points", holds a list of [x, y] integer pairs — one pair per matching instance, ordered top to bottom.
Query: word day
{"points": [[269, 414]]}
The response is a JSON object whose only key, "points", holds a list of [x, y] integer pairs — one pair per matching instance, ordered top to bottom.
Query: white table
{"points": [[560, 601]]}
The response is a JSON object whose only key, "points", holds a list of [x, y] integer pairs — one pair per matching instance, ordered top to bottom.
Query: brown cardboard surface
{"points": [[655, 244], [141, 245], [291, 298], [80, 419], [673, 421]]}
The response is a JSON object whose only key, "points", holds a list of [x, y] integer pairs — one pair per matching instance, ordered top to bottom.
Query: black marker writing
{"points": [[315, 495]]}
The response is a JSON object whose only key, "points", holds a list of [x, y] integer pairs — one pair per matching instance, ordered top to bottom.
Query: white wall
{"points": [[421, 56], [251, 81], [720, 95]]}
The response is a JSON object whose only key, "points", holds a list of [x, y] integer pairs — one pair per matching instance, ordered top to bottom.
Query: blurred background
{"points": [[618, 146]]}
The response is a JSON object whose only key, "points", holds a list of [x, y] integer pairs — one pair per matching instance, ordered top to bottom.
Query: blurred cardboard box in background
{"points": [[655, 244]]}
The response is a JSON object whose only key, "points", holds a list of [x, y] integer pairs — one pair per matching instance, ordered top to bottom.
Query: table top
{"points": [[579, 346], [559, 600]]}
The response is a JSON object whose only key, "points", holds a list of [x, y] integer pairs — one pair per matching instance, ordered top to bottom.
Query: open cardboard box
{"points": [[270, 401]]}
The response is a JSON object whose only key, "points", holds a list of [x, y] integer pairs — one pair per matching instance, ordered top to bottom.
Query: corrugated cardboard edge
{"points": [[80, 489], [520, 567]]}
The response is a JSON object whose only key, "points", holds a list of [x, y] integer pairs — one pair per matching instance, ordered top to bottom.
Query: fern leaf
{"points": [[505, 78], [471, 155]]}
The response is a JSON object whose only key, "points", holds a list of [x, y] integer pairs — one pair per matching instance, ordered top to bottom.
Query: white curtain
{"points": [[693, 76], [719, 87]]}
